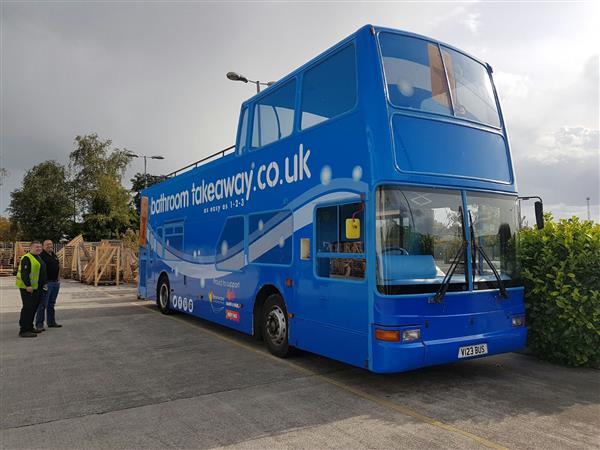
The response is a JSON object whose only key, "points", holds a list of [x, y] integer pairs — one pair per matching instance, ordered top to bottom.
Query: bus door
{"points": [[340, 306]]}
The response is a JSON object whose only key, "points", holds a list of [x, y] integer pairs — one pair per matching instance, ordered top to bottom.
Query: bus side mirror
{"points": [[539, 214], [352, 228]]}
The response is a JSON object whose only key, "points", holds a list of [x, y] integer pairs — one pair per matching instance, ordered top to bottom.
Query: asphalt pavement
{"points": [[121, 375]]}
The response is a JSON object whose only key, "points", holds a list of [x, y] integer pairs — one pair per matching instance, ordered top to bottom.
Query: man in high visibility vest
{"points": [[31, 279]]}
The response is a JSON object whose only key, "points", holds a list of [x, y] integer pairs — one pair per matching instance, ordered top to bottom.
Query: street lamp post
{"points": [[233, 76], [135, 155], [589, 213]]}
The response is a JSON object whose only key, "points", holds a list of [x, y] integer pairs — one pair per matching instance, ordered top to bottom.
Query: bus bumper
{"points": [[389, 357]]}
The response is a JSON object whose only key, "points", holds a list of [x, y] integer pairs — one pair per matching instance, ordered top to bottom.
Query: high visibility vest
{"points": [[34, 275]]}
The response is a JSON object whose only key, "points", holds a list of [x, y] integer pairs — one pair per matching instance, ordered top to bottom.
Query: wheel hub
{"points": [[164, 296], [276, 326]]}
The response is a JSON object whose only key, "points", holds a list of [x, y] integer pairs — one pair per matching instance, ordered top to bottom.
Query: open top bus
{"points": [[368, 213]]}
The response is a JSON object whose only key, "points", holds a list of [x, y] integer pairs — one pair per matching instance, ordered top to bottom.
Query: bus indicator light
{"points": [[387, 335]]}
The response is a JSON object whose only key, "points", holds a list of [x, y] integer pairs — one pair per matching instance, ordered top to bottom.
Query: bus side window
{"points": [[329, 88], [274, 115], [243, 132], [160, 234], [174, 235], [270, 237], [230, 252], [337, 255]]}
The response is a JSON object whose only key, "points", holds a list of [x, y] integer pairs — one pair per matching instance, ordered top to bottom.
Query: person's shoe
{"points": [[55, 325], [39, 330], [27, 334]]}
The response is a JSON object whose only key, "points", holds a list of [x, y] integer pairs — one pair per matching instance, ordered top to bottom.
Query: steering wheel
{"points": [[399, 250]]}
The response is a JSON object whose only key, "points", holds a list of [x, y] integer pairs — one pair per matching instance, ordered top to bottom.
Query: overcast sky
{"points": [[151, 77]]}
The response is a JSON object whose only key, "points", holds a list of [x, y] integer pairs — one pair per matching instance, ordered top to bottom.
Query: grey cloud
{"points": [[151, 76], [577, 137], [555, 140], [559, 173]]}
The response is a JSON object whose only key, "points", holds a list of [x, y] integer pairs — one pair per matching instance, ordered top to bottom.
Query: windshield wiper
{"points": [[501, 286], [439, 296]]}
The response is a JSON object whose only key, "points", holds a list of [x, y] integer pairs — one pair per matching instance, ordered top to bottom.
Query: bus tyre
{"points": [[163, 296], [275, 326]]}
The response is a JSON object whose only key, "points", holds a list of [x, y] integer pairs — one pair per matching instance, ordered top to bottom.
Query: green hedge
{"points": [[561, 270]]}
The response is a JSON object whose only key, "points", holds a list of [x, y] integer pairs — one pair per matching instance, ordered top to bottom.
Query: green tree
{"points": [[97, 173], [139, 182], [42, 207], [8, 230]]}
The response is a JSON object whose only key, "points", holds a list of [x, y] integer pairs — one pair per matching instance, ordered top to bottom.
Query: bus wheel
{"points": [[163, 296], [275, 326]]}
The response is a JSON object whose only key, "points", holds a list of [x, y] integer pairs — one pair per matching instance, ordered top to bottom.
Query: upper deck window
{"points": [[414, 73], [417, 78], [329, 88], [471, 88], [274, 115], [243, 131]]}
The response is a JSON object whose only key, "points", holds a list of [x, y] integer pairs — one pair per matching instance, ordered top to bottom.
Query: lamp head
{"points": [[236, 77]]}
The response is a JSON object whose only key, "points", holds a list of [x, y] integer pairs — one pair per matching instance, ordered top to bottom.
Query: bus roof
{"points": [[364, 29], [225, 154]]}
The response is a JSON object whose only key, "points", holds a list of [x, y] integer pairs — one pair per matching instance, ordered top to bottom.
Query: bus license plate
{"points": [[472, 350]]}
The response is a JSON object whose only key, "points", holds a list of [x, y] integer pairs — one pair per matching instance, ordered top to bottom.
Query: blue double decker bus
{"points": [[367, 213]]}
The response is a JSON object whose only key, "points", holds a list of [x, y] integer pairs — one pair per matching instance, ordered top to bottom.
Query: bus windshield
{"points": [[424, 76], [495, 222], [418, 234]]}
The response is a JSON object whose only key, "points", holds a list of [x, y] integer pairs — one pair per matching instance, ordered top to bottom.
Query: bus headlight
{"points": [[518, 321], [411, 335]]}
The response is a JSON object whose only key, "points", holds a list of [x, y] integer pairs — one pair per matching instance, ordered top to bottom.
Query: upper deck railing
{"points": [[214, 156]]}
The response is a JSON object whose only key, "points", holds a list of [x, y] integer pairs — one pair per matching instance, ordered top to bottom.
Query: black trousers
{"points": [[30, 305]]}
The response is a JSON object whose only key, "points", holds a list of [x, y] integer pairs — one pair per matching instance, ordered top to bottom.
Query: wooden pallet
{"points": [[21, 247], [65, 256], [7, 258], [104, 262], [129, 265]]}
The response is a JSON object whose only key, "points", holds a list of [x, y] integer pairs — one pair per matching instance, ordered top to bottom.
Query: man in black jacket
{"points": [[31, 280], [45, 309]]}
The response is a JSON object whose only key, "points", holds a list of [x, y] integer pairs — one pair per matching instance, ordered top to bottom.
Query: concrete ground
{"points": [[121, 375]]}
